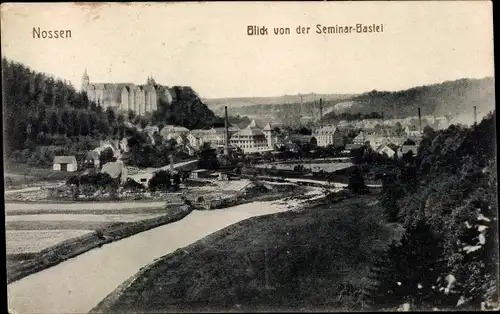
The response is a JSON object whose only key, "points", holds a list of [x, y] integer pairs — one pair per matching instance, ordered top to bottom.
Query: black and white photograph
{"points": [[184, 157]]}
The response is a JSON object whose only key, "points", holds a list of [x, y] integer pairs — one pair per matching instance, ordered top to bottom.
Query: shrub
{"points": [[161, 180], [132, 185]]}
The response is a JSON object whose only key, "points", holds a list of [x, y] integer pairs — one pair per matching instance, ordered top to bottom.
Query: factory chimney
{"points": [[321, 112], [475, 116], [419, 121], [226, 133]]}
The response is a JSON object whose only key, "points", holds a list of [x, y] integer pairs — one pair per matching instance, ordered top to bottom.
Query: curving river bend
{"points": [[79, 284]]}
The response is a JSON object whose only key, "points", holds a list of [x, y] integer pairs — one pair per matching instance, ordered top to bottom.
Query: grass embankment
{"points": [[22, 175], [314, 259], [22, 265]]}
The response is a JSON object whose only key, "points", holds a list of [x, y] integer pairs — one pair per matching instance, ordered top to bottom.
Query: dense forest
{"points": [[186, 110], [44, 116], [446, 199]]}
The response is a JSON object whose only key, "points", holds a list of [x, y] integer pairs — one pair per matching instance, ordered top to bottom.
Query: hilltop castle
{"points": [[141, 99]]}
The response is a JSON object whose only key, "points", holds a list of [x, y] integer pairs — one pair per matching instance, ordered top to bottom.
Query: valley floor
{"points": [[317, 258]]}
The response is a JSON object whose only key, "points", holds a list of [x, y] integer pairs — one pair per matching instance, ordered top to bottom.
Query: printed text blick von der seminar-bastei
{"points": [[258, 30]]}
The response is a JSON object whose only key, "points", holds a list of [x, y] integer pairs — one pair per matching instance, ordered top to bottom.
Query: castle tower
{"points": [[85, 80]]}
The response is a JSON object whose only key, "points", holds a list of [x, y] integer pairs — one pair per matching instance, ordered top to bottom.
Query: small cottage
{"points": [[65, 163]]}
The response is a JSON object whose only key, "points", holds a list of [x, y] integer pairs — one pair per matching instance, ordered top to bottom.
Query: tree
{"points": [[54, 123], [85, 127], [398, 128], [428, 131], [107, 155], [357, 156], [208, 158], [176, 180], [161, 181], [356, 182], [408, 272]]}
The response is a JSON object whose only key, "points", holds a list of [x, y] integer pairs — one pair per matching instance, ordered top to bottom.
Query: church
{"points": [[141, 99]]}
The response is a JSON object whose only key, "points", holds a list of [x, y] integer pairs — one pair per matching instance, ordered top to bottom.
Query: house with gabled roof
{"points": [[329, 135], [250, 140], [387, 150], [65, 163]]}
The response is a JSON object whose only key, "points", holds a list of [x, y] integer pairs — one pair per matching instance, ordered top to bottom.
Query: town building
{"points": [[140, 99], [173, 129], [412, 130], [212, 136], [270, 136], [329, 136], [195, 138], [360, 139], [250, 140], [296, 141], [124, 145], [350, 147], [405, 149], [388, 150], [65, 163]]}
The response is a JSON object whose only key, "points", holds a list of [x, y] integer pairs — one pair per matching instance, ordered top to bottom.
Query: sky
{"points": [[206, 46]]}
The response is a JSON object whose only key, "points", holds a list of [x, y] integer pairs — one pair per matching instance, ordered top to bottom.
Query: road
{"points": [[327, 183], [34, 188]]}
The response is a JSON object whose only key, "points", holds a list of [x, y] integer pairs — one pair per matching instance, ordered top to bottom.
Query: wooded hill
{"points": [[448, 98], [454, 99], [42, 112], [445, 198]]}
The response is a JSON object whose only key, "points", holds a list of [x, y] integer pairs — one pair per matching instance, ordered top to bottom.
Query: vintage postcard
{"points": [[249, 156]]}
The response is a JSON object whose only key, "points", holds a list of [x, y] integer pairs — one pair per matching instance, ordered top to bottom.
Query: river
{"points": [[79, 284]]}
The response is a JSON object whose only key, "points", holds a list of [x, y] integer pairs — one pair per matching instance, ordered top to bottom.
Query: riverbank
{"points": [[317, 258], [22, 265], [80, 283]]}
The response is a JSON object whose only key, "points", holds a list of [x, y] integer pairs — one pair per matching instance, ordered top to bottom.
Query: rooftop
{"points": [[64, 159]]}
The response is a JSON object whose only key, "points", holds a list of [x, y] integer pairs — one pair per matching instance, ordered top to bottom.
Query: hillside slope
{"points": [[452, 98], [44, 116]]}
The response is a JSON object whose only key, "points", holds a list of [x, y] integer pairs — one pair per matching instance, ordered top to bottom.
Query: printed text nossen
{"points": [[51, 34]]}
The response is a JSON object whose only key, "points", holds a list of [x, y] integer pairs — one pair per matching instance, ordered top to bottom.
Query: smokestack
{"points": [[301, 105], [321, 112], [475, 116], [419, 120], [226, 133]]}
